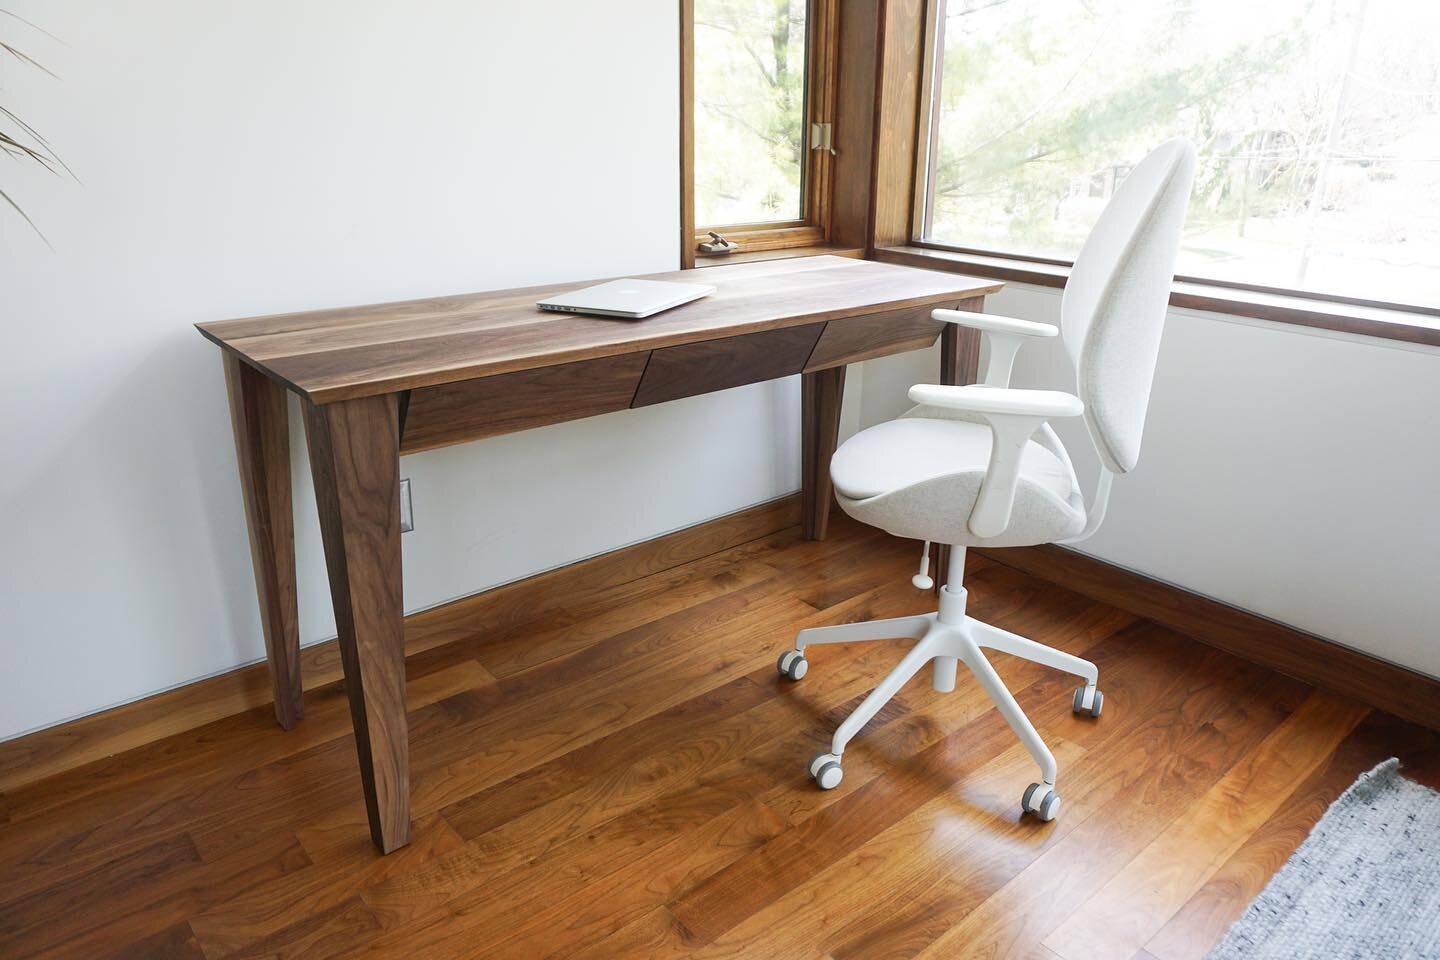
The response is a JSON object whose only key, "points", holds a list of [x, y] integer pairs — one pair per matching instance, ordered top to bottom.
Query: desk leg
{"points": [[959, 364], [820, 396], [262, 449], [355, 457]]}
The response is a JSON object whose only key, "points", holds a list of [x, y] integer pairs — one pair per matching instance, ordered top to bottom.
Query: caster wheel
{"points": [[792, 664], [1096, 704], [825, 768], [1042, 801]]}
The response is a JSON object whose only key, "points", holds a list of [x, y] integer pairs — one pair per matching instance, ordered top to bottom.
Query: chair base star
{"points": [[944, 640]]}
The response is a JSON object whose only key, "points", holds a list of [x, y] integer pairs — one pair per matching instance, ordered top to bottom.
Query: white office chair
{"points": [[979, 465]]}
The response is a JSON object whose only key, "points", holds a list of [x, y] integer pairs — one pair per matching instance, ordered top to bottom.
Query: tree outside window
{"points": [[749, 111], [1317, 124]]}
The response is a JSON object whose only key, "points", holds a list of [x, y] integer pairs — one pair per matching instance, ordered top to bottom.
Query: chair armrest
{"points": [[992, 323], [1003, 337], [985, 399], [1013, 417]]}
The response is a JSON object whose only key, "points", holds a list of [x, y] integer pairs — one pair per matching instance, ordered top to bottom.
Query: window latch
{"points": [[821, 136], [718, 244]]}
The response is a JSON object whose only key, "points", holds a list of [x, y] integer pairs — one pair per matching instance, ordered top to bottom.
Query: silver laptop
{"points": [[627, 298]]}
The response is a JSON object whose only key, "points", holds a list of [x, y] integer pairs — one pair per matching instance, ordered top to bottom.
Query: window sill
{"points": [[783, 253], [1387, 324]]}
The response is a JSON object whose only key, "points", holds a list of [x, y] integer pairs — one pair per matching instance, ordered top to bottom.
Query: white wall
{"points": [[249, 158], [240, 159], [1291, 472]]}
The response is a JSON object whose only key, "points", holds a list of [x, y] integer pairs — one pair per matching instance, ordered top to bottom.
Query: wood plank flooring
{"points": [[624, 777]]}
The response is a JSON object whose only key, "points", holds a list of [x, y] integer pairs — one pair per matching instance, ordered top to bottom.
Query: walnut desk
{"points": [[380, 381]]}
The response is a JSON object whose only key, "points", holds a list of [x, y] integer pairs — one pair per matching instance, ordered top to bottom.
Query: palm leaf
{"points": [[33, 26], [24, 57], [12, 142], [49, 154], [6, 197]]}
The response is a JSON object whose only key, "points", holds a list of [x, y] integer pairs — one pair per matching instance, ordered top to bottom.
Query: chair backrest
{"points": [[1113, 309]]}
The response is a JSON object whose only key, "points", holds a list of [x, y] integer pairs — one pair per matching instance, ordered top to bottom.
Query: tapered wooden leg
{"points": [[960, 347], [959, 364], [820, 396], [262, 450], [355, 457]]}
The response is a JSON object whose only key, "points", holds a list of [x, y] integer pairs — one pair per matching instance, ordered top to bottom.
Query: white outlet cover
{"points": [[407, 514]]}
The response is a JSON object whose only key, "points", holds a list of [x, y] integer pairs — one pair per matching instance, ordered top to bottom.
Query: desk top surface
{"points": [[338, 354]]}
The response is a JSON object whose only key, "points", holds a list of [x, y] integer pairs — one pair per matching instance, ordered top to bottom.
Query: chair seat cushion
{"points": [[902, 453], [919, 477]]}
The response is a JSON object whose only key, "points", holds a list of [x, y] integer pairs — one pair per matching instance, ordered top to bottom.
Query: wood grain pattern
{"points": [[822, 70], [897, 111], [854, 122], [687, 134], [761, 238], [788, 253], [862, 338], [960, 348], [330, 355], [696, 368], [821, 394], [472, 409], [260, 418], [354, 456], [1327, 665], [1207, 712], [48, 754], [643, 765], [901, 891], [1219, 903], [1133, 906], [174, 943]]}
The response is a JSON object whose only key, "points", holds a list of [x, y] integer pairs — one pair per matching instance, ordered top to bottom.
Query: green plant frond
{"points": [[33, 26], [24, 57], [29, 130], [12, 141], [18, 149], [46, 156], [38, 232]]}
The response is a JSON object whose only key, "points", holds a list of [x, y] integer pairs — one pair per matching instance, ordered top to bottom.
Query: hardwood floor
{"points": [[625, 778]]}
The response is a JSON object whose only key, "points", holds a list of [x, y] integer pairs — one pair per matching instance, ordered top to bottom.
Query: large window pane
{"points": [[749, 110], [1317, 123]]}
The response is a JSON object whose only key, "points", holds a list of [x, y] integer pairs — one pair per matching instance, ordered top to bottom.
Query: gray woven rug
{"points": [[1364, 885]]}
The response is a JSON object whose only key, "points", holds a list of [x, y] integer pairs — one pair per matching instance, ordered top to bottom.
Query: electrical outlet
{"points": [[407, 512]]}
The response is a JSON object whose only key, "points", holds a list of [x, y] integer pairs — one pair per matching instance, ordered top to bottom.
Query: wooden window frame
{"points": [[822, 20], [1246, 295]]}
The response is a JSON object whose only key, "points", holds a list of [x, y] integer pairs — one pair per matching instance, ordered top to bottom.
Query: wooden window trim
{"points": [[822, 83], [898, 99], [927, 133], [687, 134], [787, 253], [1046, 266], [1260, 300], [1370, 320]]}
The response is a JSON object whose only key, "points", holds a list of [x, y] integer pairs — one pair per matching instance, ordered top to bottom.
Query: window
{"points": [[760, 80], [1317, 124]]}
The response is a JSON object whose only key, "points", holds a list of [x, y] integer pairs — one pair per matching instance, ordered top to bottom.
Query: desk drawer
{"points": [[875, 335], [696, 368], [471, 409]]}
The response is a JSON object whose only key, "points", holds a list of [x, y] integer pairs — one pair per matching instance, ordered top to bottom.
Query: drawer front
{"points": [[876, 335], [696, 368], [471, 409]]}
